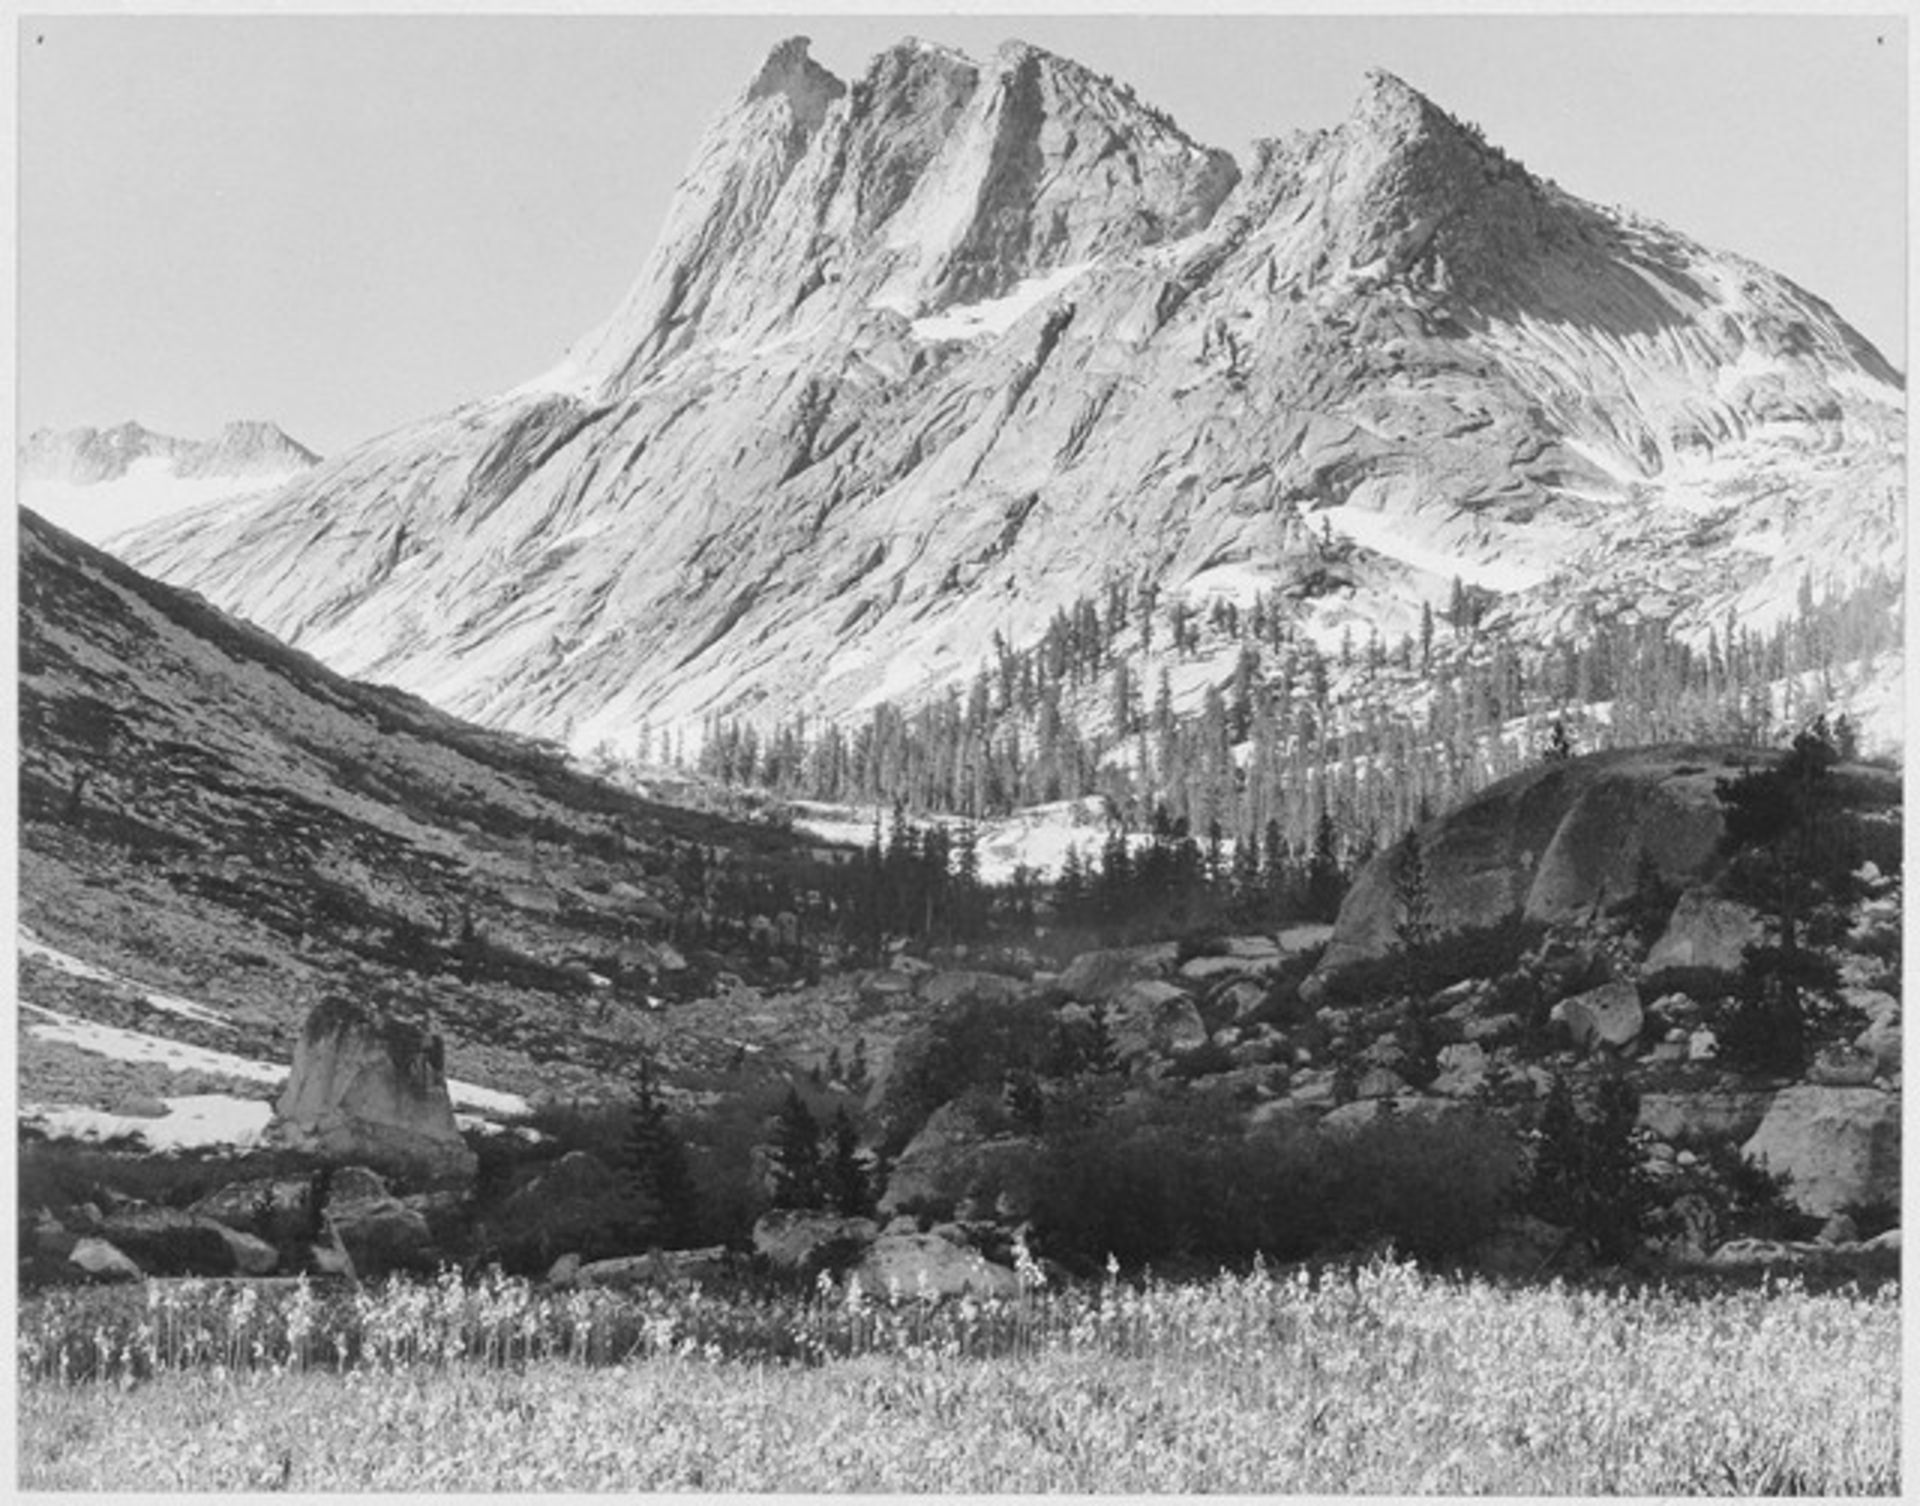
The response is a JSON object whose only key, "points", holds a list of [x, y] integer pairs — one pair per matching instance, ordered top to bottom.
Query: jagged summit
{"points": [[791, 74], [934, 181], [929, 356]]}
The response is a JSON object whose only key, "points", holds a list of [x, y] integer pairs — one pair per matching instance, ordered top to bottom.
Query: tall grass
{"points": [[1378, 1380]]}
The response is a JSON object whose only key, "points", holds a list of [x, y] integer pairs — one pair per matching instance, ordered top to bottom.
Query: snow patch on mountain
{"points": [[995, 316], [100, 484]]}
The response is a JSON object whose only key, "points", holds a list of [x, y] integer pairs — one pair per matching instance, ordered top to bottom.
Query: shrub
{"points": [[976, 1040], [1586, 1172], [1191, 1186], [1434, 1188]]}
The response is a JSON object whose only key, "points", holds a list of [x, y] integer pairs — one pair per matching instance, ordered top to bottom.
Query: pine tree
{"points": [[1326, 884], [1414, 931], [798, 1181], [847, 1188], [664, 1206]]}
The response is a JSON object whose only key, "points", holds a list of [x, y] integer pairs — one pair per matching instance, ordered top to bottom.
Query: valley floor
{"points": [[1378, 1381]]}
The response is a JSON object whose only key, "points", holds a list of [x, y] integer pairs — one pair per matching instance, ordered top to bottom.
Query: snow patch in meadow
{"points": [[131, 1046], [195, 1121]]}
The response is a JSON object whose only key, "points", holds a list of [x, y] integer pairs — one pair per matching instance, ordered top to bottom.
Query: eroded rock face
{"points": [[369, 1089], [1839, 1144]]}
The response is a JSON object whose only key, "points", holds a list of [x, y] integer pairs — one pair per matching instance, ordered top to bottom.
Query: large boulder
{"points": [[1559, 840], [1705, 931], [1609, 1015], [369, 1089], [1839, 1145], [380, 1232], [102, 1261], [926, 1265]]}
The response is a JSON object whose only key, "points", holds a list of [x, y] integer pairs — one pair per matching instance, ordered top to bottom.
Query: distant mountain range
{"points": [[929, 356], [99, 482]]}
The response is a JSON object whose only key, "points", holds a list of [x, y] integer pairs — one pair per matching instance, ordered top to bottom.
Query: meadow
{"points": [[1377, 1379]]}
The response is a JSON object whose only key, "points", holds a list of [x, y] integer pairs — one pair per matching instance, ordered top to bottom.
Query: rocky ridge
{"points": [[925, 355], [100, 482]]}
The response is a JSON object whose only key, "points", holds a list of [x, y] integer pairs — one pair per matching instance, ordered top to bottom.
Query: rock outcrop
{"points": [[1561, 841], [366, 1088], [1840, 1145]]}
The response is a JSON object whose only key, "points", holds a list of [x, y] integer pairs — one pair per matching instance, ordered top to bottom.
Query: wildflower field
{"points": [[1378, 1379]]}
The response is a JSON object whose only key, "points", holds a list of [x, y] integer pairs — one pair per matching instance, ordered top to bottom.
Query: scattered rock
{"points": [[1097, 977], [943, 989], [1243, 999], [1609, 1015], [1154, 1019], [1462, 1070], [1365, 1111], [275, 1208], [1838, 1230], [800, 1239], [663, 1268], [565, 1271]]}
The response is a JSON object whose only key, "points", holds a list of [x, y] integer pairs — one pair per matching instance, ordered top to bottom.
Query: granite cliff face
{"points": [[928, 355]]}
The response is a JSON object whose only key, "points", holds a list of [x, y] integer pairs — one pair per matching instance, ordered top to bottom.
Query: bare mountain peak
{"points": [[791, 73]]}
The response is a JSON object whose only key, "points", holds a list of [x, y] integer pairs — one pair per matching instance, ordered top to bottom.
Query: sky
{"points": [[345, 223]]}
